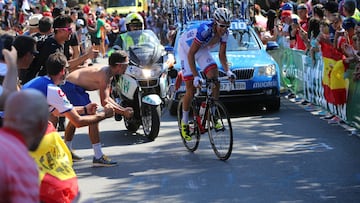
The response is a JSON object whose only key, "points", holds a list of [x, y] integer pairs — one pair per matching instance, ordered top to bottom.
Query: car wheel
{"points": [[273, 105]]}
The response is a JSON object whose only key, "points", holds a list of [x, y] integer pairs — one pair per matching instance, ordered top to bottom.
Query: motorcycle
{"points": [[144, 84]]}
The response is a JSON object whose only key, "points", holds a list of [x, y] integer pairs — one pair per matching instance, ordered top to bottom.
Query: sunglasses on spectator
{"points": [[223, 25], [68, 29], [122, 63]]}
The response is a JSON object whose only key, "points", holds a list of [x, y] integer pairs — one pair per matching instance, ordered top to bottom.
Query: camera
{"points": [[295, 21]]}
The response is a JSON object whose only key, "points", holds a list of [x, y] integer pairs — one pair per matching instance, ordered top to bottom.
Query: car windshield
{"points": [[240, 40]]}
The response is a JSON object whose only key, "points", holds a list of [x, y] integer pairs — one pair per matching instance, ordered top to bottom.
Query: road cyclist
{"points": [[196, 45]]}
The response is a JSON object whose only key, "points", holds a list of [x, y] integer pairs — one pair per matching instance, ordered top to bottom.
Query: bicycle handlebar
{"points": [[204, 81]]}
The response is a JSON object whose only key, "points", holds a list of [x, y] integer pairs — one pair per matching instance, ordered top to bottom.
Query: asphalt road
{"points": [[286, 156]]}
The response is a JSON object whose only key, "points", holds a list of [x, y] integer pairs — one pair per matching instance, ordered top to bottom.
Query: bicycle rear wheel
{"points": [[220, 131], [193, 144]]}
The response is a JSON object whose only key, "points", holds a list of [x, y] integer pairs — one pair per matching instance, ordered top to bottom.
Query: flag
{"points": [[333, 75], [58, 181]]}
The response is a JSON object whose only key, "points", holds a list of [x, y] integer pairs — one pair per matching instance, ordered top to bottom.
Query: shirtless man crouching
{"points": [[90, 79]]}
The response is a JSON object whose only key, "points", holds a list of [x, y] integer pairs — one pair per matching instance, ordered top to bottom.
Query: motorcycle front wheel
{"points": [[150, 118]]}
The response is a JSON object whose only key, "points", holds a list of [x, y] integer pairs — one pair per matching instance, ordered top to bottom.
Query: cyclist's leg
{"points": [[210, 68], [213, 73], [188, 79], [187, 99]]}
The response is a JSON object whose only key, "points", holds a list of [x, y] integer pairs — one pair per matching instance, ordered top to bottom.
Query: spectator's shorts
{"points": [[76, 94]]}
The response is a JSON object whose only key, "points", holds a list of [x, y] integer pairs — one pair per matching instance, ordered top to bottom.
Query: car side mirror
{"points": [[272, 45]]}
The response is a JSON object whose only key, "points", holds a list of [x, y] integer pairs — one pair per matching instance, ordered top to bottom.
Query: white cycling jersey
{"points": [[203, 35], [56, 98]]}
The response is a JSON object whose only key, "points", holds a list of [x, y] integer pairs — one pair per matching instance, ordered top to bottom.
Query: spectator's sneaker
{"points": [[290, 95], [305, 102], [329, 116], [334, 120], [218, 125], [185, 131], [75, 157], [103, 161]]}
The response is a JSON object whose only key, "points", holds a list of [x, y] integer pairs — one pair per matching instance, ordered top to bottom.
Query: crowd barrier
{"points": [[327, 82]]}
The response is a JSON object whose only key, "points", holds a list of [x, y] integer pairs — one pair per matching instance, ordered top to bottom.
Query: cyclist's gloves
{"points": [[231, 75], [197, 81]]}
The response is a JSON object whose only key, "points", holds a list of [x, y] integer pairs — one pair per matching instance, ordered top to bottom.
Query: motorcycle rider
{"points": [[133, 21], [196, 44]]}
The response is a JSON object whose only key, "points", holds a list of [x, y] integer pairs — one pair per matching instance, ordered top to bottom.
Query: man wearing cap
{"points": [[33, 26], [286, 27], [300, 27]]}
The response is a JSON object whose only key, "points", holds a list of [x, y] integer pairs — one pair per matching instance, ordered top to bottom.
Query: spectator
{"points": [[87, 7], [331, 7], [318, 11], [350, 11], [260, 20], [33, 24], [286, 28], [300, 28], [45, 30], [100, 34], [341, 36], [314, 46], [15, 60], [57, 68], [90, 79], [21, 132]]}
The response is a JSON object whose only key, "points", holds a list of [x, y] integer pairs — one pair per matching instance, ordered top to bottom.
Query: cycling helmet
{"points": [[222, 14], [134, 18]]}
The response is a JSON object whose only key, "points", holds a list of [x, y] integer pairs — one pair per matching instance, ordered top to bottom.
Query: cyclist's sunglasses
{"points": [[223, 25], [68, 29]]}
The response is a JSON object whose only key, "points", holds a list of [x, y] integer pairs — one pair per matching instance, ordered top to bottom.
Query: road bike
{"points": [[215, 121]]}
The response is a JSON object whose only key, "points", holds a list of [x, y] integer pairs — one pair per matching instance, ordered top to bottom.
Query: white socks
{"points": [[185, 117], [97, 150]]}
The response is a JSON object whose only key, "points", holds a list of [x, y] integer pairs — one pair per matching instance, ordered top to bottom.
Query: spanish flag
{"points": [[333, 75], [58, 181]]}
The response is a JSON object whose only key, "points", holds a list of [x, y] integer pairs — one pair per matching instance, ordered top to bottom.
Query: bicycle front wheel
{"points": [[220, 130], [194, 132]]}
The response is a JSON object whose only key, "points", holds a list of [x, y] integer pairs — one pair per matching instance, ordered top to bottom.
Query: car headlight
{"points": [[269, 70]]}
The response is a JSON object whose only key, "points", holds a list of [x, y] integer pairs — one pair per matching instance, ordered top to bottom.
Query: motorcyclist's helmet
{"points": [[222, 15], [134, 20]]}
